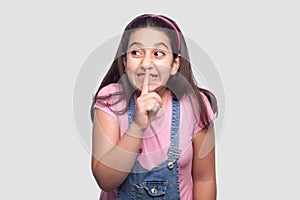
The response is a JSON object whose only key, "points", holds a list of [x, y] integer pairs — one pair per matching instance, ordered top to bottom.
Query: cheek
{"points": [[164, 64], [131, 65], [165, 68]]}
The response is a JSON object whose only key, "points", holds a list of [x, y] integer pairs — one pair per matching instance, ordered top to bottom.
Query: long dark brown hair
{"points": [[180, 84]]}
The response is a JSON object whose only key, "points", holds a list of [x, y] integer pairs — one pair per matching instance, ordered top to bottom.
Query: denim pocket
{"points": [[155, 188]]}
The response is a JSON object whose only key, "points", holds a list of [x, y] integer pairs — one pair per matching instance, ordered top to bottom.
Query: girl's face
{"points": [[150, 49]]}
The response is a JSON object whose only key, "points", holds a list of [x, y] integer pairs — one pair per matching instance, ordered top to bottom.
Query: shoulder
{"points": [[110, 89], [109, 99], [192, 99], [205, 99], [195, 110]]}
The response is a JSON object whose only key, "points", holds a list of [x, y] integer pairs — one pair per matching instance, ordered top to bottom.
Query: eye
{"points": [[136, 53], [159, 53]]}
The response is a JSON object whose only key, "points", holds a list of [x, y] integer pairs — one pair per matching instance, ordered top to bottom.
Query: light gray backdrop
{"points": [[43, 45]]}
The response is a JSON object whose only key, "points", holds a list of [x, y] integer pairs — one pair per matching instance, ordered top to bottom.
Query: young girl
{"points": [[150, 119]]}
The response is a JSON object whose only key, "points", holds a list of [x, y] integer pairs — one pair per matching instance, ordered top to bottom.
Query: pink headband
{"points": [[171, 24]]}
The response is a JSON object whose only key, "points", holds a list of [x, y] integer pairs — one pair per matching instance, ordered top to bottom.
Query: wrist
{"points": [[135, 130]]}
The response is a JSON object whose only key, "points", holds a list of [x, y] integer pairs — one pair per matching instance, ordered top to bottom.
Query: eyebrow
{"points": [[155, 45]]}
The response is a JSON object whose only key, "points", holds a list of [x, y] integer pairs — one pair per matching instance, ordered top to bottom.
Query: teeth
{"points": [[142, 76], [152, 76]]}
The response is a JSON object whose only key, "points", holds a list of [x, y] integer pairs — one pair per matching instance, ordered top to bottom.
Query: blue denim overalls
{"points": [[161, 182]]}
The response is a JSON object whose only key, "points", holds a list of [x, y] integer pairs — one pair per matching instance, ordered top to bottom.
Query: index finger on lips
{"points": [[145, 88]]}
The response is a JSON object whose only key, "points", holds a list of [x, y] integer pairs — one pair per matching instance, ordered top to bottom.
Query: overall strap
{"points": [[131, 110], [174, 151]]}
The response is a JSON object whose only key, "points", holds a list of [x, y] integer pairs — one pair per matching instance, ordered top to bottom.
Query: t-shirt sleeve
{"points": [[104, 104], [211, 115]]}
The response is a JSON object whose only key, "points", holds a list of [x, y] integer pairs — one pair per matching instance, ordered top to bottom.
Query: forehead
{"points": [[149, 37]]}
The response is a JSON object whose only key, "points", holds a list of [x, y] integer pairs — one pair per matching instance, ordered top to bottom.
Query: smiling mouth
{"points": [[141, 76]]}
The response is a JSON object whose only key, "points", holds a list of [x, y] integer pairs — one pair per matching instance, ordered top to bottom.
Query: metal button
{"points": [[170, 165], [154, 190]]}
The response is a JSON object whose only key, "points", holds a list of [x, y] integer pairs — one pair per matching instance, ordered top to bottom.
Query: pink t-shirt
{"points": [[156, 138]]}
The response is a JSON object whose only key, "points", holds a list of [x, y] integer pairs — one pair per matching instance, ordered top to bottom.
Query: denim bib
{"points": [[161, 182]]}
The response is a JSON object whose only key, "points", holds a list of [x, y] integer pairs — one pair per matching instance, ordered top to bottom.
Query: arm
{"points": [[112, 157], [203, 171]]}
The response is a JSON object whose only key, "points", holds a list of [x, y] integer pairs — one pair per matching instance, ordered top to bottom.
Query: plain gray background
{"points": [[254, 45]]}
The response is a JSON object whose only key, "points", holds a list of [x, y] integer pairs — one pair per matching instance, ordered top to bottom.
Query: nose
{"points": [[147, 62]]}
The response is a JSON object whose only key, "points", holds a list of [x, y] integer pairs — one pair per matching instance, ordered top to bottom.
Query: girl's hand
{"points": [[148, 104]]}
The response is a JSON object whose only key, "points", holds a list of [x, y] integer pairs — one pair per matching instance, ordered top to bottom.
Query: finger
{"points": [[145, 88], [150, 98], [157, 99], [152, 106], [155, 107]]}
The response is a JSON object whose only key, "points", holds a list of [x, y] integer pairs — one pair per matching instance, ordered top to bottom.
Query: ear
{"points": [[175, 65]]}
